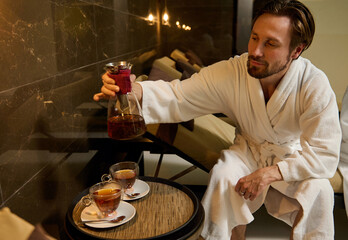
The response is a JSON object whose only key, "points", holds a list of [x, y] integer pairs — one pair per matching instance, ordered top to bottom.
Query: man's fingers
{"points": [[132, 77], [107, 80], [109, 87], [110, 90], [105, 93], [98, 96], [238, 187], [246, 188], [240, 190], [253, 191], [247, 195]]}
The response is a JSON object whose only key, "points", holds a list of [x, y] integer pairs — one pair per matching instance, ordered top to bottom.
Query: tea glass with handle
{"points": [[124, 173], [106, 196]]}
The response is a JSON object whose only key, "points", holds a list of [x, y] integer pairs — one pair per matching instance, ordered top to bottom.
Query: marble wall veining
{"points": [[47, 45], [52, 54], [52, 57]]}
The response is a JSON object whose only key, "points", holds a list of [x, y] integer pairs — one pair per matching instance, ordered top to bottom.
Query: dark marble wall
{"points": [[50, 46], [52, 57]]}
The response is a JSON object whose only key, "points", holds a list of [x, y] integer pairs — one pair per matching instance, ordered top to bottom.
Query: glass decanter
{"points": [[125, 118]]}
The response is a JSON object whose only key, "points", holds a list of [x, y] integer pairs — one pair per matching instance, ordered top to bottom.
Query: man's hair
{"points": [[303, 26]]}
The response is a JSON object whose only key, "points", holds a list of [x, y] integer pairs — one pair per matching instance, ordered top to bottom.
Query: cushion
{"points": [[164, 69], [204, 143], [337, 182], [14, 227]]}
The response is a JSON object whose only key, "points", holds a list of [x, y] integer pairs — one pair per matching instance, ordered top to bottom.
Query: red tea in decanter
{"points": [[125, 118]]}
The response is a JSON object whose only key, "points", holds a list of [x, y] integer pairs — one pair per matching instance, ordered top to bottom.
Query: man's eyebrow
{"points": [[269, 38]]}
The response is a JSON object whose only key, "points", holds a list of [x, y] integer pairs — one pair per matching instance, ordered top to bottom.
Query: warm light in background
{"points": [[165, 18], [150, 19], [178, 24], [185, 27]]}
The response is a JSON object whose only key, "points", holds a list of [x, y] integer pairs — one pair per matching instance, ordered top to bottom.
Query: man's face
{"points": [[268, 48]]}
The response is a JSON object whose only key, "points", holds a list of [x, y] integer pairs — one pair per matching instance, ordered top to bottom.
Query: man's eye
{"points": [[271, 44]]}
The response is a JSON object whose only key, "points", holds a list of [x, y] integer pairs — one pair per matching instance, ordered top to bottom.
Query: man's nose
{"points": [[257, 50]]}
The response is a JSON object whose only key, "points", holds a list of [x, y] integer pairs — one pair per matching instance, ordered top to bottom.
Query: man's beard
{"points": [[266, 72]]}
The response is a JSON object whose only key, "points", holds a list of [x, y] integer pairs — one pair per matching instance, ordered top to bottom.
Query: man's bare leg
{"points": [[297, 219], [238, 233]]}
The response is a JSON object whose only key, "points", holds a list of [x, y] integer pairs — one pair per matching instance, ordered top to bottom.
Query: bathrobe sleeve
{"points": [[176, 101], [320, 132]]}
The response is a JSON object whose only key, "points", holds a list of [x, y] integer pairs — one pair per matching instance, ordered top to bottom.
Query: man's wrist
{"points": [[274, 174], [277, 174]]}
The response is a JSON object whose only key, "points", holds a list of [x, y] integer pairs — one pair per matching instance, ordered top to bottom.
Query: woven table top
{"points": [[164, 210]]}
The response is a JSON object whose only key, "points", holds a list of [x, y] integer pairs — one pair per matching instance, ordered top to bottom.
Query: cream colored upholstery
{"points": [[167, 66], [210, 135], [337, 182], [15, 227]]}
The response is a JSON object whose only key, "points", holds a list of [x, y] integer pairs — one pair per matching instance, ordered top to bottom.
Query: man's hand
{"points": [[109, 88], [253, 184]]}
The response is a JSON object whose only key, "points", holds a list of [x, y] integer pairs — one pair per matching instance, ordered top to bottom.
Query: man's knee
{"points": [[230, 165], [323, 185], [318, 192]]}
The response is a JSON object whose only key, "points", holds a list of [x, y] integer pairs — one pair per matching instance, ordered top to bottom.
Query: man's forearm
{"points": [[138, 91]]}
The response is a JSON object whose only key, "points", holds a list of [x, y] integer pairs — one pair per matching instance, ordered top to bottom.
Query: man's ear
{"points": [[297, 51]]}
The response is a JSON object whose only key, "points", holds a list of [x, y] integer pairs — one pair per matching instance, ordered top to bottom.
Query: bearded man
{"points": [[287, 127]]}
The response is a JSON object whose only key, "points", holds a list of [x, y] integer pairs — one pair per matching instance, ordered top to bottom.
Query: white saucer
{"points": [[139, 187], [91, 213]]}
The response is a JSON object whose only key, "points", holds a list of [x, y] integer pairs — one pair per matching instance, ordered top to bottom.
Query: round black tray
{"points": [[183, 232]]}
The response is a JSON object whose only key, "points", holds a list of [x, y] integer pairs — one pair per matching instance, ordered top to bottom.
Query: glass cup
{"points": [[124, 173], [106, 196]]}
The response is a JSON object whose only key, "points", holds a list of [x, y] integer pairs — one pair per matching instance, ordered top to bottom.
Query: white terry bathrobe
{"points": [[298, 129]]}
